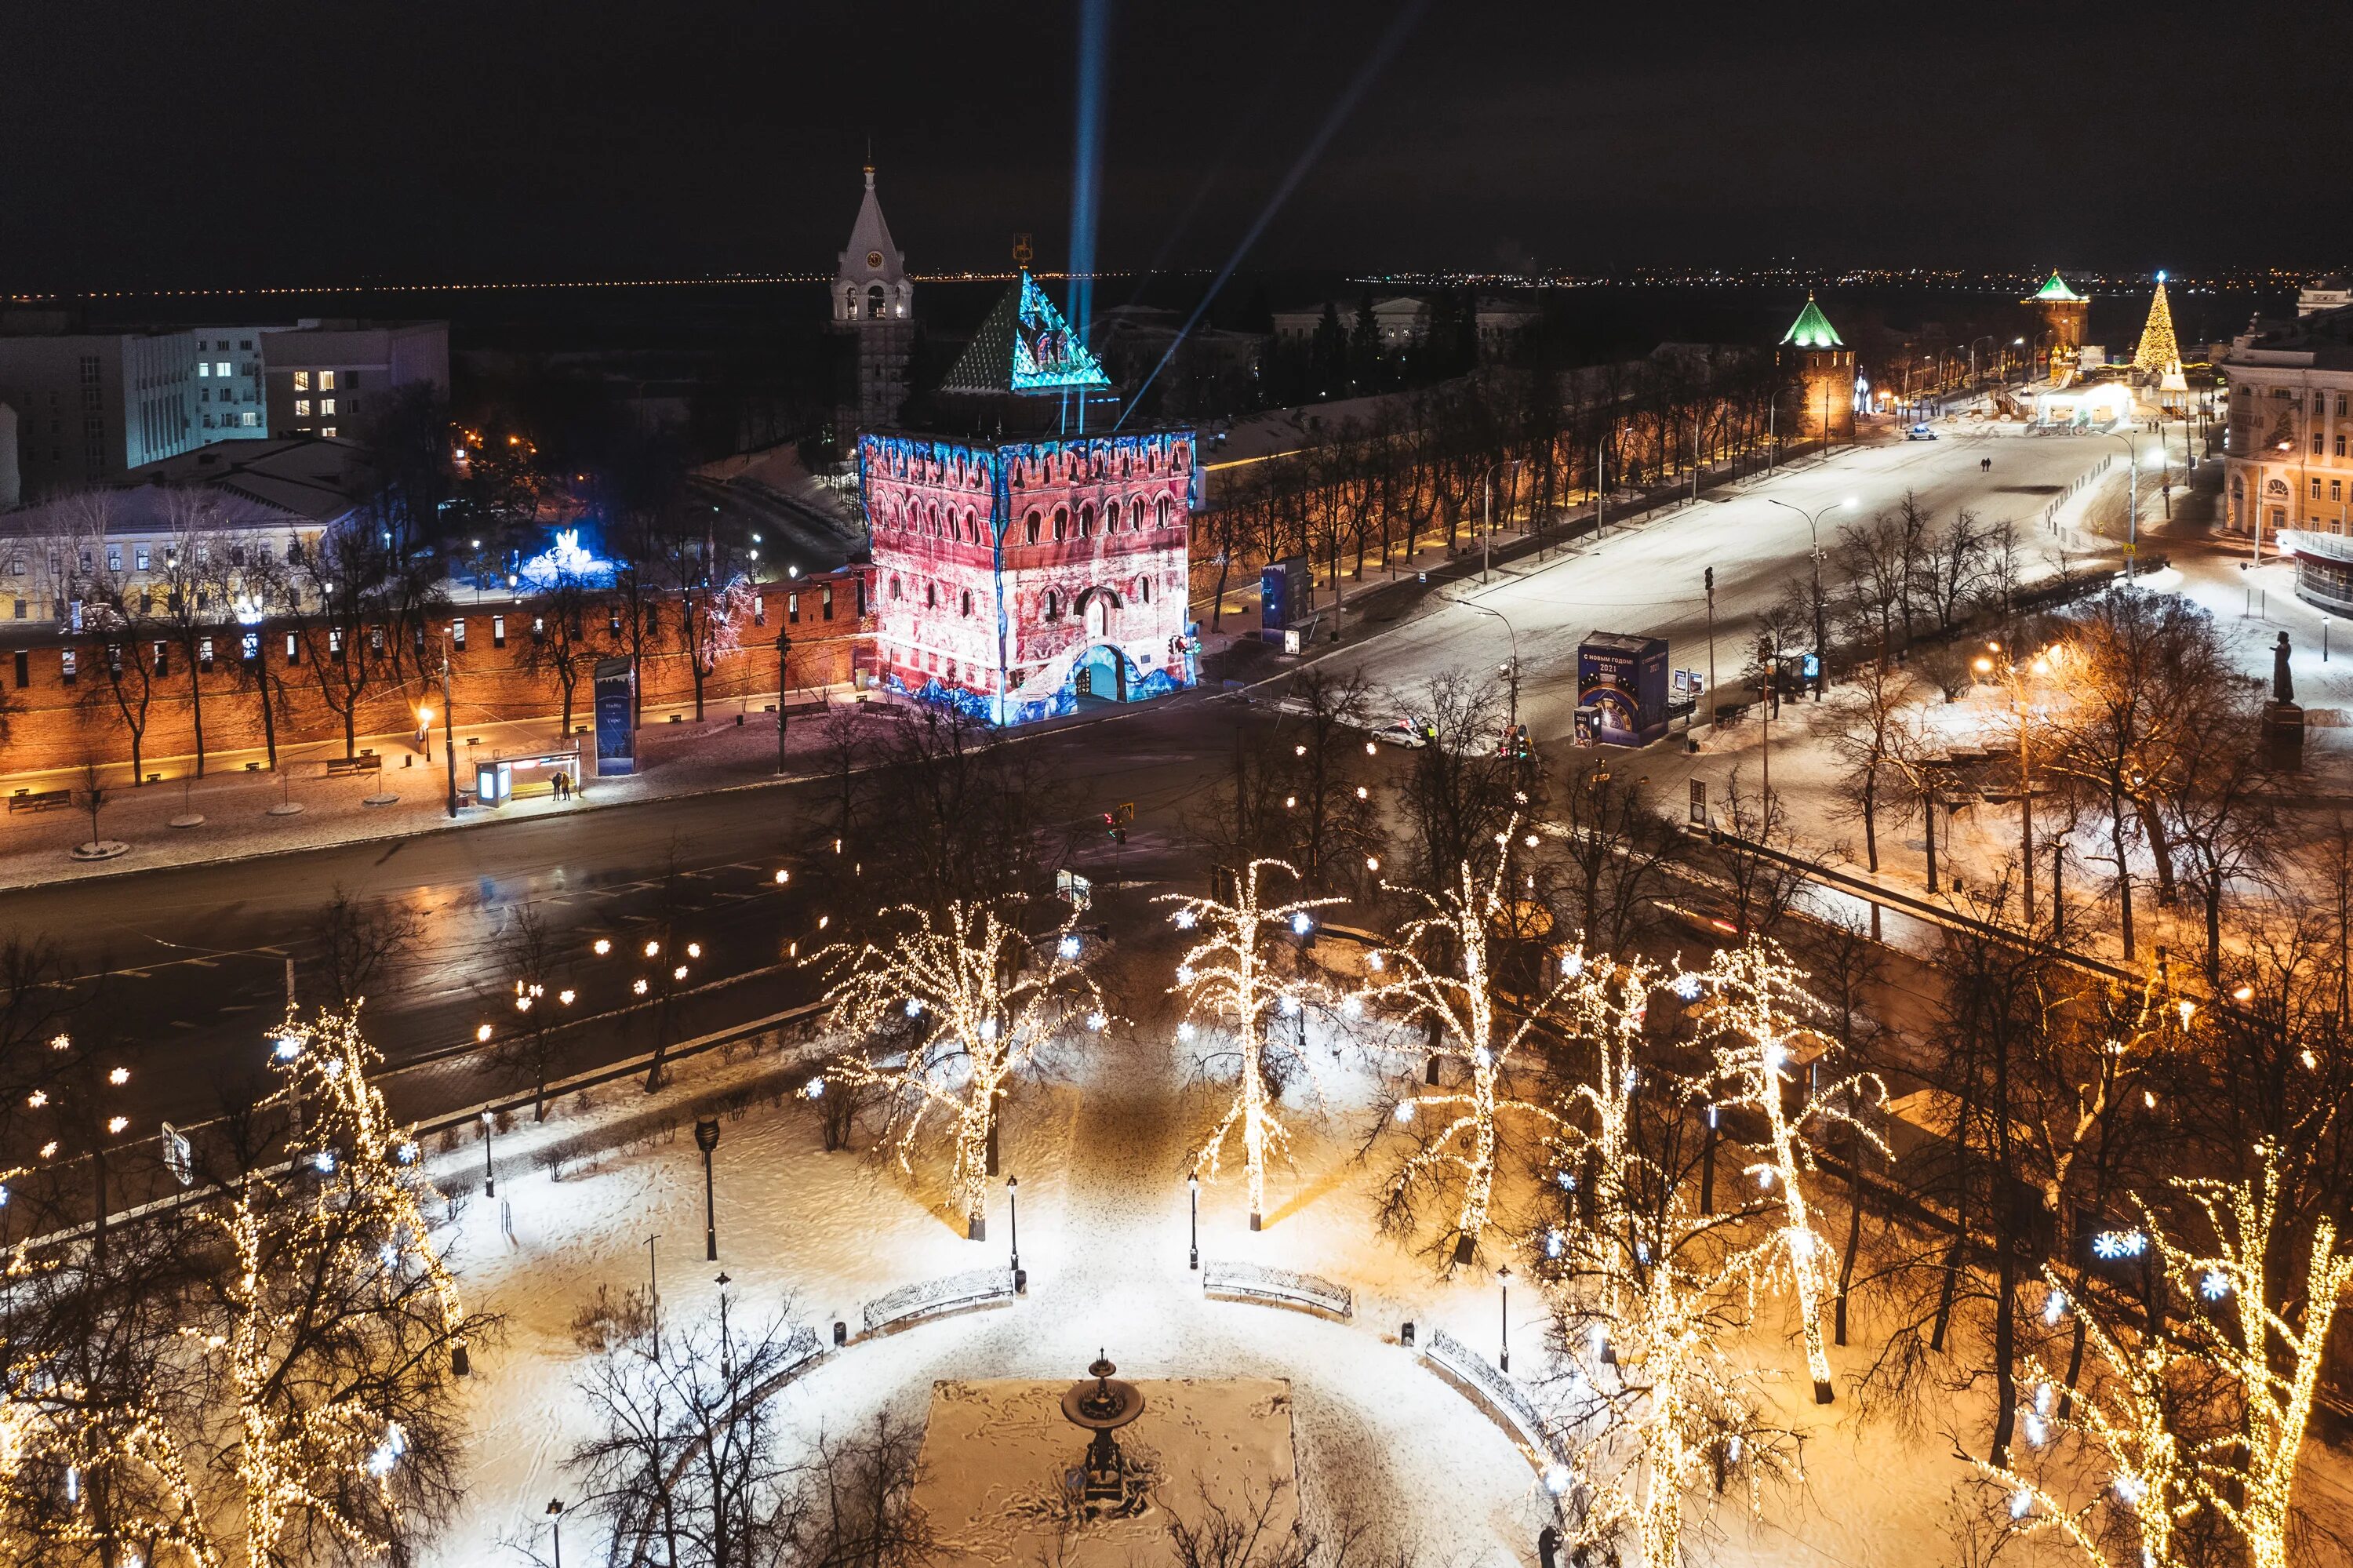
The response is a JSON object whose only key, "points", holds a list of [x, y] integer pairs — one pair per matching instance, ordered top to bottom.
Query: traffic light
{"points": [[1112, 831]]}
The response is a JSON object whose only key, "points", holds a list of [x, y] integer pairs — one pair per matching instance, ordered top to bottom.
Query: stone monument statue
{"points": [[2283, 719]]}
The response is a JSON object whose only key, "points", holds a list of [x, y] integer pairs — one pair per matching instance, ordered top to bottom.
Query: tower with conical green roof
{"points": [[2063, 310], [1814, 355]]}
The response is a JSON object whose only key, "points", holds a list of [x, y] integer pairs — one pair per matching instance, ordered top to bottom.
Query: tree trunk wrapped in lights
{"points": [[1225, 980], [1603, 1003], [979, 1004], [1461, 1009], [1754, 1015], [338, 1319], [2275, 1361], [296, 1404], [1658, 1412], [2127, 1416]]}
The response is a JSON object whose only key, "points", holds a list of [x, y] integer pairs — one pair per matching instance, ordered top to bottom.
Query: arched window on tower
{"points": [[874, 301], [1163, 511], [1135, 512], [1087, 520], [1062, 522], [1029, 526], [894, 586], [1144, 590], [930, 595], [967, 601], [1051, 607]]}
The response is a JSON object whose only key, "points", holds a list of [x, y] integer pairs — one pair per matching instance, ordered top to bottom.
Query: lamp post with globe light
{"points": [[1821, 634], [1504, 1284]]}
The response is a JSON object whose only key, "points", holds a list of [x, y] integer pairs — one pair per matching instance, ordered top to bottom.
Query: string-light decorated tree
{"points": [[1443, 973], [1227, 983], [980, 1000], [1602, 1007], [1754, 1013], [338, 1318], [2272, 1353], [2268, 1356], [1659, 1413], [2126, 1415]]}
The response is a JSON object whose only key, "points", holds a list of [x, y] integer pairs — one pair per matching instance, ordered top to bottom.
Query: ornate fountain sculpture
{"points": [[1104, 1483]]}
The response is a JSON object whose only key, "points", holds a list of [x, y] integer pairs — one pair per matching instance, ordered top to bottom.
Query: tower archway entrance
{"points": [[1101, 672]]}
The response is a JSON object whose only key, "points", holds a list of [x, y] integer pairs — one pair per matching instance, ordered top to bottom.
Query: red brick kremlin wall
{"points": [[52, 723]]}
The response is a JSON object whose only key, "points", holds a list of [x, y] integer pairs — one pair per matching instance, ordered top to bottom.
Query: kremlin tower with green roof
{"points": [[2063, 310], [1814, 354]]}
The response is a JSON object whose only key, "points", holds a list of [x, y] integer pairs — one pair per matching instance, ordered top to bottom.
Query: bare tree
{"points": [[362, 945]]}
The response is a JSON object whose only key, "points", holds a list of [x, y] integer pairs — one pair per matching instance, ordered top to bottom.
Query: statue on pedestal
{"points": [[2283, 719]]}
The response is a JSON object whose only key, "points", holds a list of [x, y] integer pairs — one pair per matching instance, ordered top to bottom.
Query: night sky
{"points": [[146, 145]]}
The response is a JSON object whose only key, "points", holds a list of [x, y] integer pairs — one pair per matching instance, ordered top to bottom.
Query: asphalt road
{"points": [[1647, 580], [196, 956]]}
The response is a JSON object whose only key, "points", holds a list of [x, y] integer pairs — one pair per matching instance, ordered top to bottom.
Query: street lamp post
{"points": [[2132, 511], [1813, 529], [1707, 581], [783, 656], [1514, 671], [2007, 673], [449, 733], [706, 1139], [490, 1178], [1193, 1184], [1013, 1221], [1503, 1282], [654, 1294], [556, 1523]]}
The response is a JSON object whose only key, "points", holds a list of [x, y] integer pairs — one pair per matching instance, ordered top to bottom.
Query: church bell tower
{"points": [[873, 312]]}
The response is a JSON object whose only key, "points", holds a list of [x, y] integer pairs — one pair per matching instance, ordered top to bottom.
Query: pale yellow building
{"points": [[2289, 459]]}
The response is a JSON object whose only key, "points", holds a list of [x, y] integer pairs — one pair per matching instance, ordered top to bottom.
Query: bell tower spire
{"points": [[874, 308]]}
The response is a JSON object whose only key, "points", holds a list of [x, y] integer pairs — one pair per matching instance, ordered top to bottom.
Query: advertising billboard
{"points": [[1286, 592], [1622, 681], [617, 712]]}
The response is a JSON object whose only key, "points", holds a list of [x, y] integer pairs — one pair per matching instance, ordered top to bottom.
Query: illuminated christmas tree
{"points": [[2158, 352], [1226, 982], [981, 1004]]}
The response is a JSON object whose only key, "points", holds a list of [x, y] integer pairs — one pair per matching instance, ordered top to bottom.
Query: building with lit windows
{"points": [[322, 377], [229, 400], [92, 406], [2288, 469], [1018, 572]]}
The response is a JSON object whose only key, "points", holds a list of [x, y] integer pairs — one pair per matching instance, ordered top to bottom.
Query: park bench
{"points": [[345, 767], [39, 800], [1255, 1282], [936, 1297], [1505, 1402]]}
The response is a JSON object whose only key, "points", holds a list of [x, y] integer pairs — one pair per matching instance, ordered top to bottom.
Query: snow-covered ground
{"points": [[1100, 1148]]}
